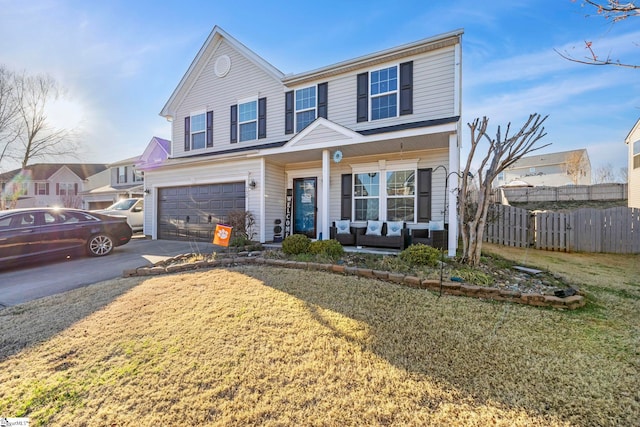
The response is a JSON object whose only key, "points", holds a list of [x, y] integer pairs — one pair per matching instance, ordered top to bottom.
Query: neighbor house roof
{"points": [[547, 159], [43, 171]]}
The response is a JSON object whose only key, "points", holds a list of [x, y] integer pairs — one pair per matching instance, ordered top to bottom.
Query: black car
{"points": [[35, 233]]}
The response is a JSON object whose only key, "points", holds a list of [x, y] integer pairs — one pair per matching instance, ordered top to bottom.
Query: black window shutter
{"points": [[406, 88], [363, 97], [322, 99], [288, 112], [262, 118], [234, 124], [209, 128], [187, 133], [125, 174], [35, 188], [75, 188], [47, 189], [57, 189], [424, 195], [345, 204]]}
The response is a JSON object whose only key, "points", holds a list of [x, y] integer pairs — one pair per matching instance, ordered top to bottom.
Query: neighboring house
{"points": [[361, 139], [633, 144], [552, 169], [125, 178], [47, 184]]}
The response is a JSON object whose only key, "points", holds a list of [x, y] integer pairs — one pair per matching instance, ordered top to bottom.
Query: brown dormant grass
{"points": [[264, 346]]}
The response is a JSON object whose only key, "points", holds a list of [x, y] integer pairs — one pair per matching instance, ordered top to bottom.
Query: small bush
{"points": [[295, 244], [330, 248], [420, 254]]}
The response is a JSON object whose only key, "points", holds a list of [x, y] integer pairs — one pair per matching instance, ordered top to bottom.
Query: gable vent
{"points": [[222, 66]]}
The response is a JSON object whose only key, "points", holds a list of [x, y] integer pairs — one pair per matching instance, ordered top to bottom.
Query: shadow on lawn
{"points": [[27, 325], [522, 357]]}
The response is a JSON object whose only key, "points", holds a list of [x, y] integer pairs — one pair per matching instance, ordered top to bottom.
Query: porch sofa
{"points": [[345, 232], [387, 234], [434, 234]]}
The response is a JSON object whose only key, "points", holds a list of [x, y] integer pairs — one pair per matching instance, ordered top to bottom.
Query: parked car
{"points": [[133, 209], [32, 234]]}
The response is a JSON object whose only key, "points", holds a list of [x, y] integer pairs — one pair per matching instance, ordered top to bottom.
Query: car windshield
{"points": [[122, 205]]}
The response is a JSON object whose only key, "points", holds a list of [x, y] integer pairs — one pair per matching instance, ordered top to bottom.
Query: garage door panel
{"points": [[192, 212]]}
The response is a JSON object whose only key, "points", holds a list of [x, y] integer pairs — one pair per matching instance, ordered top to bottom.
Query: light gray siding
{"points": [[211, 93], [275, 197]]}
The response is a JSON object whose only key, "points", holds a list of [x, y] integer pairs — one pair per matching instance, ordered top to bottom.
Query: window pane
{"points": [[383, 81], [306, 98], [383, 107], [247, 111], [304, 118], [197, 123], [248, 131], [197, 140], [636, 147], [401, 183], [367, 184], [366, 209], [400, 209]]}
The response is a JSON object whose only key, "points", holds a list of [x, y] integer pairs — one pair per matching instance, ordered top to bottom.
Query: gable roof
{"points": [[209, 46], [627, 140], [547, 159], [43, 171]]}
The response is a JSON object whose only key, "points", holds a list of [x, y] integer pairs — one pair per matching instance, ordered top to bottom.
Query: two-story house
{"points": [[360, 140], [633, 147], [552, 169], [124, 179], [47, 184]]}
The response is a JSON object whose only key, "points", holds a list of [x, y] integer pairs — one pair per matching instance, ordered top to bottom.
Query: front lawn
{"points": [[256, 345]]}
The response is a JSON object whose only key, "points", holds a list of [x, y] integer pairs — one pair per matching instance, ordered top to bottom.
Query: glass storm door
{"points": [[304, 206]]}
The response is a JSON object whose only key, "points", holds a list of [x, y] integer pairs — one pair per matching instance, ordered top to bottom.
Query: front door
{"points": [[304, 206]]}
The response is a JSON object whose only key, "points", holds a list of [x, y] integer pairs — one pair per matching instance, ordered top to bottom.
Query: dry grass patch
{"points": [[266, 346]]}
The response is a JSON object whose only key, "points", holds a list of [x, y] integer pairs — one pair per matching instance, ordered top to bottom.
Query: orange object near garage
{"points": [[222, 235]]}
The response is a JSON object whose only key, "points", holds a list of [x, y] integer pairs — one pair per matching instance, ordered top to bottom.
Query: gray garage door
{"points": [[192, 212]]}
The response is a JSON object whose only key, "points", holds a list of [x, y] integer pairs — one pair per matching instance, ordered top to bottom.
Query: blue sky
{"points": [[119, 61]]}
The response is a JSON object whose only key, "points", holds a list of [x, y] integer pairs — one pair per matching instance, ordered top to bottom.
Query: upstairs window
{"points": [[384, 93], [305, 107], [248, 121], [198, 131], [636, 154], [122, 175], [138, 176], [42, 188], [66, 189]]}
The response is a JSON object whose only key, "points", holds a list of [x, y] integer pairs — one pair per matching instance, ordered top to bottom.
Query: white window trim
{"points": [[397, 92], [246, 101], [296, 111], [204, 131]]}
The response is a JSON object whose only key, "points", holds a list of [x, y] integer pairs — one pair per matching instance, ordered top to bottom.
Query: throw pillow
{"points": [[436, 225], [342, 226], [374, 228], [394, 228]]}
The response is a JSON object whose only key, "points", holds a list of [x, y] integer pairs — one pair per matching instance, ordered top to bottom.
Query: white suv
{"points": [[133, 209]]}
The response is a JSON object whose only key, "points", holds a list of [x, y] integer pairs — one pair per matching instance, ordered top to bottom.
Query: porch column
{"points": [[454, 174], [324, 214]]}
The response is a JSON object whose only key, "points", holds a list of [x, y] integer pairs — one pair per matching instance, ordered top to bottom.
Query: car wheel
{"points": [[99, 245]]}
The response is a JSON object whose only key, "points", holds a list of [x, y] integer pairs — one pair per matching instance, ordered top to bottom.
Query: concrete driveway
{"points": [[30, 282]]}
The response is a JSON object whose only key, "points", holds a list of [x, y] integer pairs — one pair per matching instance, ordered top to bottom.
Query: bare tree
{"points": [[613, 11], [8, 111], [37, 138], [503, 151], [573, 166], [604, 174], [624, 174]]}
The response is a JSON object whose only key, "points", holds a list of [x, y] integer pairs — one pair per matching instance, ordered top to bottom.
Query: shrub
{"points": [[295, 244], [330, 248], [420, 254]]}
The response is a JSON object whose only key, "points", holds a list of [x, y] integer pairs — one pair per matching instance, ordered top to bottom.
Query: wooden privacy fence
{"points": [[614, 230]]}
